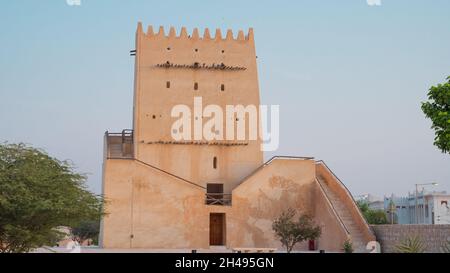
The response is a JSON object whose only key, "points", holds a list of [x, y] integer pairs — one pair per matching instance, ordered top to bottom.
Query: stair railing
{"points": [[342, 185]]}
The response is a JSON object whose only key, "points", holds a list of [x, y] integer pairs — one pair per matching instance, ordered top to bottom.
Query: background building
{"points": [[374, 202], [432, 208]]}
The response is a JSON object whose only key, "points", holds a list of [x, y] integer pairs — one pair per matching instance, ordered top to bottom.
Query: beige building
{"points": [[168, 194]]}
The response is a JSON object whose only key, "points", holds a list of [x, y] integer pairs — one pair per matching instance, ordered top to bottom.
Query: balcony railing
{"points": [[120, 145], [218, 199]]}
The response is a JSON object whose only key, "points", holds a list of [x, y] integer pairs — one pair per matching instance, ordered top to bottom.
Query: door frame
{"points": [[222, 229]]}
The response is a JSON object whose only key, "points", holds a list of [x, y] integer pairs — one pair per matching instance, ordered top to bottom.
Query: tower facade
{"points": [[175, 69], [200, 192]]}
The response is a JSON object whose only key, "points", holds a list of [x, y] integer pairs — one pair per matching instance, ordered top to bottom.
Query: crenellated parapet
{"points": [[195, 35]]}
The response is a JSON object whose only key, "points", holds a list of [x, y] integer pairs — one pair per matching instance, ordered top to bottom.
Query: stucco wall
{"points": [[153, 102], [281, 185], [260, 199], [149, 209], [163, 212], [333, 233], [433, 236]]}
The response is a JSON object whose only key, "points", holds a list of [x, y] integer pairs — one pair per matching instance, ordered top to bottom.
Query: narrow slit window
{"points": [[167, 84], [196, 86], [222, 87], [215, 163]]}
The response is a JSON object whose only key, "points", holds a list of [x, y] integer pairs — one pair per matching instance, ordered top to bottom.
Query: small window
{"points": [[168, 49], [196, 50], [223, 51], [167, 84], [196, 86], [222, 87], [154, 117], [215, 163], [214, 188], [214, 194]]}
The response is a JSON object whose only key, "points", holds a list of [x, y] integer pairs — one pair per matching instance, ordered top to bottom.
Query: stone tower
{"points": [[172, 69], [164, 193]]}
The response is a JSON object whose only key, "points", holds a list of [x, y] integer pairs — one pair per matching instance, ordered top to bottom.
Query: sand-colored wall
{"points": [[153, 101], [283, 184], [259, 200], [150, 208], [157, 210], [163, 212], [116, 225], [333, 232]]}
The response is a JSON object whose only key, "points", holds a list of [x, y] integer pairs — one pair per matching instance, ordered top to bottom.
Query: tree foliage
{"points": [[437, 108], [39, 194], [373, 217], [86, 230], [291, 232], [348, 247]]}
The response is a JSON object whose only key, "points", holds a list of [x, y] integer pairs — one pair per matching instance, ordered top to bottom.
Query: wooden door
{"points": [[217, 229]]}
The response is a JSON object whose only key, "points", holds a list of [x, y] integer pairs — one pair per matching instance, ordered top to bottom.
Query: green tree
{"points": [[437, 108], [39, 194], [373, 217], [86, 230], [291, 232], [348, 247]]}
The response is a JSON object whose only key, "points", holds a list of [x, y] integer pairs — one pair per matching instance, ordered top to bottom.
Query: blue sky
{"points": [[348, 77]]}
